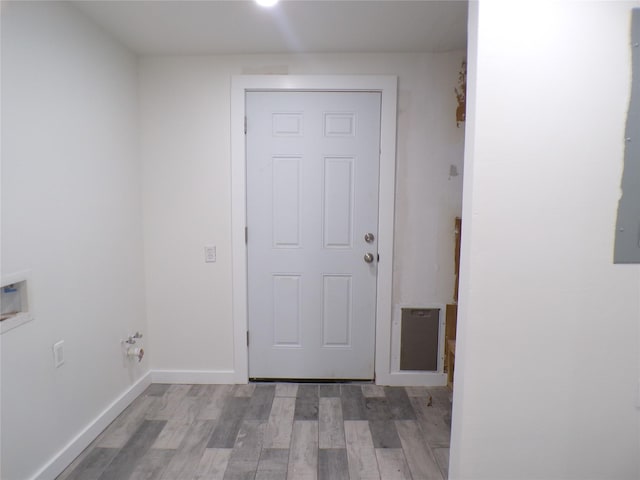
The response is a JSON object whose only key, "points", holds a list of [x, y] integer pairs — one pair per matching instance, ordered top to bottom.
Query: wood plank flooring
{"points": [[274, 431]]}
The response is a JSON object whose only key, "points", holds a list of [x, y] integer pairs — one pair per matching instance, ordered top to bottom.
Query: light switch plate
{"points": [[210, 253], [58, 353]]}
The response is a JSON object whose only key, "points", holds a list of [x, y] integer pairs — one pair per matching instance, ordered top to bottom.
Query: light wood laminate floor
{"points": [[274, 431]]}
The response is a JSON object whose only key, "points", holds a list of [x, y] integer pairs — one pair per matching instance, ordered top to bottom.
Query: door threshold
{"points": [[311, 380]]}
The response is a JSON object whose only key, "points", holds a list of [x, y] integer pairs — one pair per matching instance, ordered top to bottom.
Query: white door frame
{"points": [[387, 85]]}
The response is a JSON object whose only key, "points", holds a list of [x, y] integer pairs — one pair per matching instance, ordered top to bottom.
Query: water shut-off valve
{"points": [[131, 340], [134, 352]]}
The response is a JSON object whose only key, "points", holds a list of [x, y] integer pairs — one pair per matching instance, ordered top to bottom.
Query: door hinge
{"points": [[245, 125], [246, 235], [247, 338]]}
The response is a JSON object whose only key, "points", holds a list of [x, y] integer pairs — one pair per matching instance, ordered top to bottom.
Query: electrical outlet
{"points": [[210, 254], [58, 353]]}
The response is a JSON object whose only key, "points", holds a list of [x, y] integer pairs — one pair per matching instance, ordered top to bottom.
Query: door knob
{"points": [[369, 238], [368, 257]]}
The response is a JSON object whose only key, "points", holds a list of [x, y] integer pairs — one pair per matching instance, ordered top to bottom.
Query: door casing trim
{"points": [[387, 85]]}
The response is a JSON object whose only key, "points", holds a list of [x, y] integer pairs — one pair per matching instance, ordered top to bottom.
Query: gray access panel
{"points": [[627, 244], [419, 338]]}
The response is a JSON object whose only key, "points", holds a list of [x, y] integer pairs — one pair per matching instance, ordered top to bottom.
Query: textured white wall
{"points": [[185, 111], [71, 214], [547, 366]]}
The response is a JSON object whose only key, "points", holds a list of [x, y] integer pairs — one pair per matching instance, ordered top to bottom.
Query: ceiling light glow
{"points": [[266, 3]]}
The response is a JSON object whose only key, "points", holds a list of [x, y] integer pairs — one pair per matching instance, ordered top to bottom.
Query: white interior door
{"points": [[312, 198]]}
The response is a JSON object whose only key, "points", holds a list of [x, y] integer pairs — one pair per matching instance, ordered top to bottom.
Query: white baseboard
{"points": [[194, 376], [413, 379], [63, 458]]}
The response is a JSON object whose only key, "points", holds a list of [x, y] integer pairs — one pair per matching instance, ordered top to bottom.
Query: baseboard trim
{"points": [[194, 376], [413, 379], [63, 458]]}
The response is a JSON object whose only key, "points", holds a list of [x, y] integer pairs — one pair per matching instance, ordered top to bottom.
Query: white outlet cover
{"points": [[58, 353]]}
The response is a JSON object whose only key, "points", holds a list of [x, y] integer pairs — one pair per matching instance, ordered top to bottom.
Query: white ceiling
{"points": [[240, 26]]}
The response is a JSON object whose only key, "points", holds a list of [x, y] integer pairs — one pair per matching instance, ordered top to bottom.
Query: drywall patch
{"points": [[627, 244]]}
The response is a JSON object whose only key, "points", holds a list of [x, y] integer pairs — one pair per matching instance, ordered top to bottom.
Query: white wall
{"points": [[185, 111], [71, 215], [548, 359]]}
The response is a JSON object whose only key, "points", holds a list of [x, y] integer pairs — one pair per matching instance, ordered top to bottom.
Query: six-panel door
{"points": [[312, 199]]}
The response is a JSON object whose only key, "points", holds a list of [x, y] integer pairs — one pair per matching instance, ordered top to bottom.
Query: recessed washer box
{"points": [[14, 301]]}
